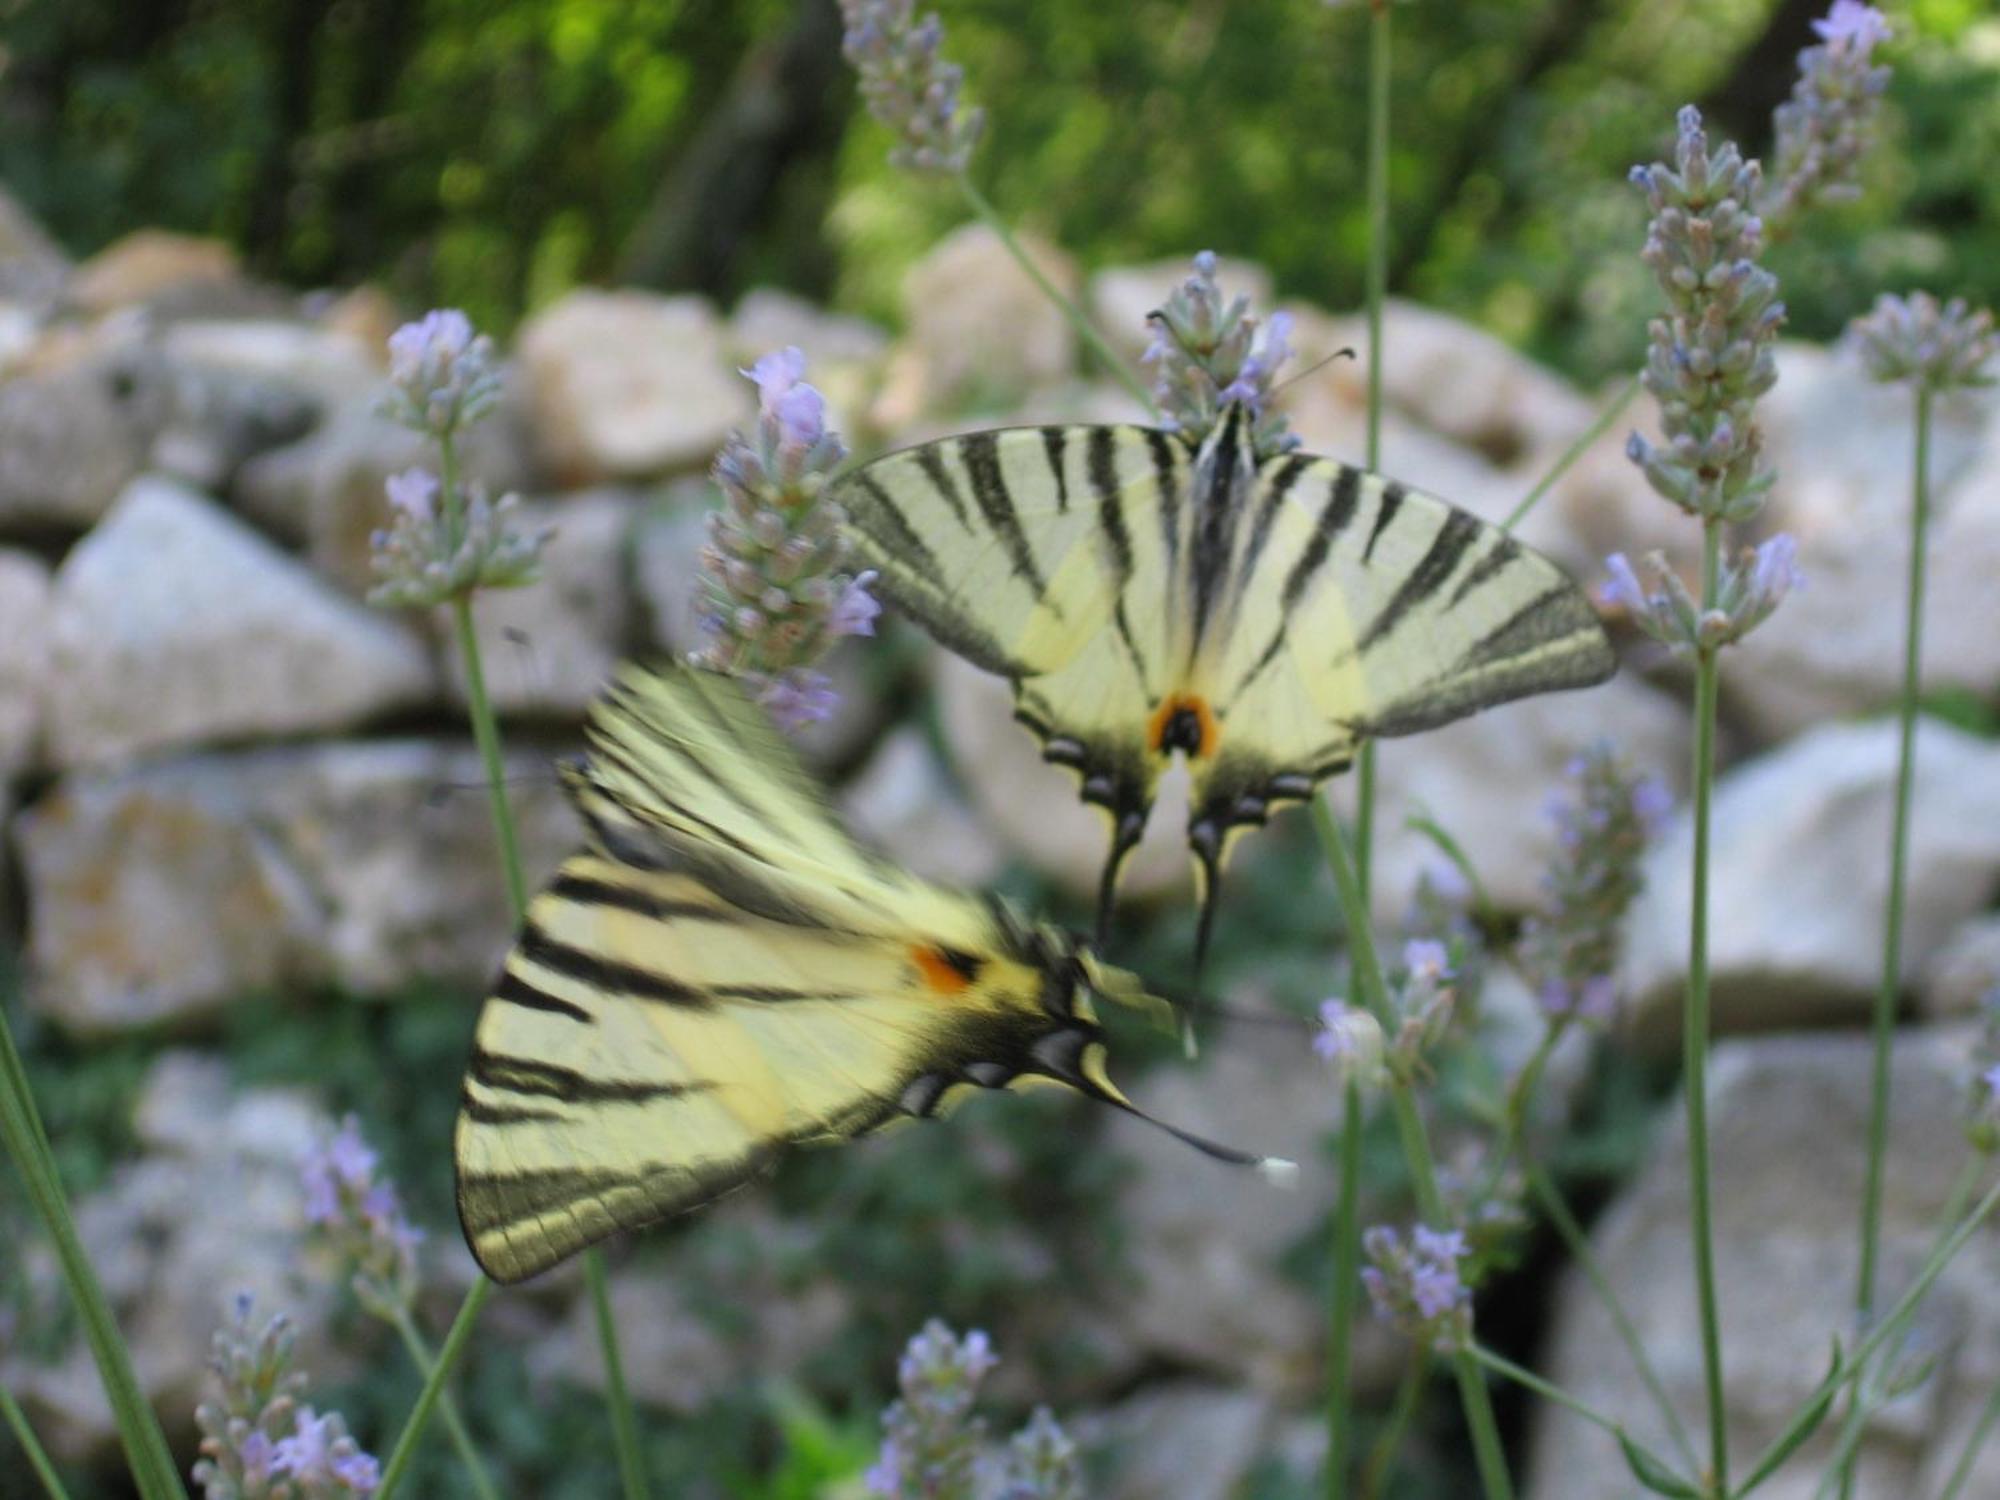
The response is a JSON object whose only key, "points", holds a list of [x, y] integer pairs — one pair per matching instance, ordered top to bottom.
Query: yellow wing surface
{"points": [[1147, 597], [723, 974]]}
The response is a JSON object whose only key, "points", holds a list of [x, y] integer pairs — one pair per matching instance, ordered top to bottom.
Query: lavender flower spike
{"points": [[908, 86], [1827, 126], [1939, 347], [1211, 353], [1710, 357], [442, 375], [775, 598], [357, 1216], [1418, 1285], [931, 1442]]}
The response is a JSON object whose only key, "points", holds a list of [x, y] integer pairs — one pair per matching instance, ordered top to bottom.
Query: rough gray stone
{"points": [[71, 437], [174, 624], [24, 660], [903, 804], [1799, 877], [160, 894], [1787, 1119], [1190, 1440]]}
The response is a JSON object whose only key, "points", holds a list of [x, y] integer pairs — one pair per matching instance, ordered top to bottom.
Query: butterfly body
{"points": [[1147, 596], [724, 974]]}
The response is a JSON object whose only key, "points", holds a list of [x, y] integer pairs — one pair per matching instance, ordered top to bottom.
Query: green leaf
{"points": [[1805, 1424], [1654, 1474]]}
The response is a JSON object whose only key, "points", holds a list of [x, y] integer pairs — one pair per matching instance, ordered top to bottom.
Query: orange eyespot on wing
{"points": [[1183, 722], [945, 971]]}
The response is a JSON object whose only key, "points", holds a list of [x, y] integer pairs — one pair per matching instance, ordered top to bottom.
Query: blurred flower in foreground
{"points": [[909, 87], [1828, 124], [1938, 347], [1210, 353], [1710, 358], [442, 544], [1748, 591], [775, 600], [1570, 952], [1350, 1039], [1982, 1105], [357, 1215], [1416, 1285], [257, 1442], [934, 1448]]}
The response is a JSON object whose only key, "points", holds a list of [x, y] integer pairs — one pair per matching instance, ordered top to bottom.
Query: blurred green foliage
{"points": [[490, 155]]}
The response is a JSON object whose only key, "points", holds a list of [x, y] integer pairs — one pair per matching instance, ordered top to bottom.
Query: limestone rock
{"points": [[145, 264], [33, 267], [1121, 297], [767, 318], [978, 327], [629, 384], [71, 437], [1843, 445], [324, 492], [666, 562], [173, 623], [549, 648], [24, 659], [1487, 781], [903, 804], [1033, 806], [1799, 877], [159, 894], [1963, 974], [1788, 1125], [211, 1209], [1188, 1439]]}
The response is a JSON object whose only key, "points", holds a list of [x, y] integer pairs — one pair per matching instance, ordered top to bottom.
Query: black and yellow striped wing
{"points": [[1146, 596], [723, 974]]}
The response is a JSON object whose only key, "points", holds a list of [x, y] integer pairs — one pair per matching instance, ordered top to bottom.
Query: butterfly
{"points": [[1147, 596], [722, 973]]}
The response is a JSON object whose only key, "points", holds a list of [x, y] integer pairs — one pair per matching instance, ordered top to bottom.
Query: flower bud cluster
{"points": [[908, 86], [1828, 125], [1938, 347], [1211, 353], [1709, 358], [442, 376], [442, 544], [1748, 591], [775, 599], [1570, 951], [1423, 995], [1982, 1104], [359, 1218], [1416, 1283], [258, 1442]]}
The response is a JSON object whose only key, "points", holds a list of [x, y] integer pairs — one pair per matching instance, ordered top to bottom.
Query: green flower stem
{"points": [[1085, 329], [1627, 394], [1899, 859], [1695, 1023], [1578, 1245], [1345, 1291], [1341, 1299], [422, 1358], [1854, 1364], [1548, 1390], [1408, 1393], [1472, 1393], [427, 1398], [624, 1419], [1981, 1431], [146, 1451], [38, 1460]]}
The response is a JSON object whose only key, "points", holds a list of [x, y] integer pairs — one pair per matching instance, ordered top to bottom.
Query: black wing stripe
{"points": [[1054, 440], [1162, 449], [980, 454], [934, 470], [1103, 474], [1281, 483], [1341, 501], [1392, 501], [902, 539], [1505, 552], [1440, 560], [1549, 616], [585, 891], [598, 973], [517, 991], [530, 1076], [481, 1113]]}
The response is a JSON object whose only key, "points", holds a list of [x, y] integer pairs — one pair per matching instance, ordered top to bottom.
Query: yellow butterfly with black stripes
{"points": [[1146, 595], [724, 972]]}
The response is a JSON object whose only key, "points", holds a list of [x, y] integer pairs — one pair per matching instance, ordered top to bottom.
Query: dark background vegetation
{"points": [[490, 153]]}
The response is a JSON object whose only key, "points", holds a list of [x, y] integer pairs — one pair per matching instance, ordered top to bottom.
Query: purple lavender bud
{"points": [[908, 86], [1828, 124], [1937, 347], [1211, 354], [442, 375], [855, 611], [798, 696], [359, 1219], [1419, 1286], [931, 1441]]}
